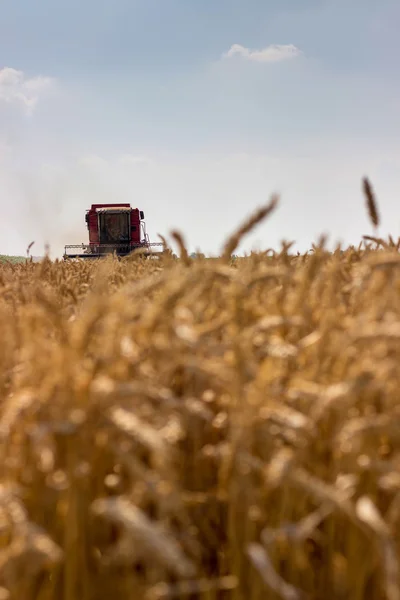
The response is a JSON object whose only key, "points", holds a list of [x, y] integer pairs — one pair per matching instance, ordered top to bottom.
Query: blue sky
{"points": [[196, 111]]}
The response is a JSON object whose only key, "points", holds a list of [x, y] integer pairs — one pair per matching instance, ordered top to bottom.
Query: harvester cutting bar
{"points": [[102, 250]]}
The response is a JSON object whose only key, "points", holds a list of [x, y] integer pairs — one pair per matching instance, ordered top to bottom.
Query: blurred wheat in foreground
{"points": [[200, 428]]}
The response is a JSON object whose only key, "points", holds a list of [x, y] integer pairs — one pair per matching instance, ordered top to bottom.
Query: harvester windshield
{"points": [[114, 227]]}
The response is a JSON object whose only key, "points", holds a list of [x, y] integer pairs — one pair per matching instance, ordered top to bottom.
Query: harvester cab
{"points": [[113, 228]]}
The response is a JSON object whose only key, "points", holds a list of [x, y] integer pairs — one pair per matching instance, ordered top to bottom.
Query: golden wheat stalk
{"points": [[372, 206], [256, 218], [182, 247]]}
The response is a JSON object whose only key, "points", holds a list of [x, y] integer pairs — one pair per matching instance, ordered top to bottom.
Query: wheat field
{"points": [[203, 429]]}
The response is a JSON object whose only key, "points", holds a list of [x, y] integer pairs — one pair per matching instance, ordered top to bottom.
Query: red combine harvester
{"points": [[113, 228]]}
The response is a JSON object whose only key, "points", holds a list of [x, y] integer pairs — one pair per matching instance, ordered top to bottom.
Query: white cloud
{"points": [[273, 53], [15, 87], [130, 160], [93, 162]]}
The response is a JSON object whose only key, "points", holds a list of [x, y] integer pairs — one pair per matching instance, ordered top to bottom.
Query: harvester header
{"points": [[113, 228]]}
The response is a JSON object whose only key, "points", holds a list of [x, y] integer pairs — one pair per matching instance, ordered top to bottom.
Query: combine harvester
{"points": [[113, 228]]}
